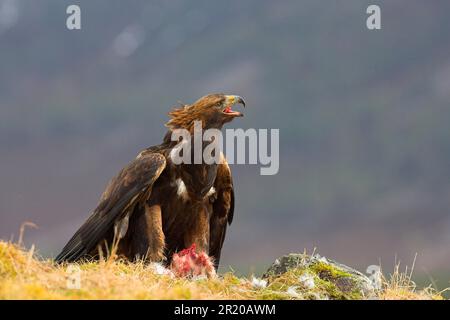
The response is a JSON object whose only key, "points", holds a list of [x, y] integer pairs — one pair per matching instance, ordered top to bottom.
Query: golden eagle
{"points": [[157, 208]]}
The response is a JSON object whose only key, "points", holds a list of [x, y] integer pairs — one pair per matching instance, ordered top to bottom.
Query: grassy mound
{"points": [[23, 276]]}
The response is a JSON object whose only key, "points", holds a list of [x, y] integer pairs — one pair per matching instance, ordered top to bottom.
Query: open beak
{"points": [[230, 101]]}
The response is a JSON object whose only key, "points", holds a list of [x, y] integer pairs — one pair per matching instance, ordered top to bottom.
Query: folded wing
{"points": [[132, 184]]}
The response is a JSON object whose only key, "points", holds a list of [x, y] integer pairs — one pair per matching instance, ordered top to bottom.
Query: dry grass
{"points": [[23, 276], [400, 286]]}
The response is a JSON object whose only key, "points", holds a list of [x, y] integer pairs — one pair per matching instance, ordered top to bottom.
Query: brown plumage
{"points": [[156, 208]]}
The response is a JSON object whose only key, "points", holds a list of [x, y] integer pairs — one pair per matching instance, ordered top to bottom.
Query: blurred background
{"points": [[363, 117]]}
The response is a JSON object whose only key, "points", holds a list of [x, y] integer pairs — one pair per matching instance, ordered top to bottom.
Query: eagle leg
{"points": [[198, 233], [148, 239]]}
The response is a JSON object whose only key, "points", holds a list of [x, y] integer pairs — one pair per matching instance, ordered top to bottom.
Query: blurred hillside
{"points": [[363, 117]]}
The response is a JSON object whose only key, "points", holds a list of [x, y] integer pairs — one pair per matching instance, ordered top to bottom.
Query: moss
{"points": [[325, 270], [330, 282], [338, 283]]}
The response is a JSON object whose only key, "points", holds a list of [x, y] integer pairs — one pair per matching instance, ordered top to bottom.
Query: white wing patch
{"points": [[181, 189], [211, 192]]}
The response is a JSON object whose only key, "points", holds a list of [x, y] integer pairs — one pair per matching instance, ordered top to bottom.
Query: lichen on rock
{"points": [[316, 277]]}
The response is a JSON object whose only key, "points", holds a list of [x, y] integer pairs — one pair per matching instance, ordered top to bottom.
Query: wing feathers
{"points": [[121, 194]]}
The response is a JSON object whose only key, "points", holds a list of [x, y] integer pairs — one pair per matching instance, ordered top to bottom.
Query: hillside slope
{"points": [[22, 276]]}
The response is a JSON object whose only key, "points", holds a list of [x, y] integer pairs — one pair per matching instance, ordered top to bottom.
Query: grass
{"points": [[24, 276], [399, 286]]}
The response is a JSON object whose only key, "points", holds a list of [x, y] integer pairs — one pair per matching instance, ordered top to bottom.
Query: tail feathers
{"points": [[86, 238]]}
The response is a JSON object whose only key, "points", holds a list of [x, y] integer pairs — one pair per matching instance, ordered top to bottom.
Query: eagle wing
{"points": [[125, 190], [223, 211]]}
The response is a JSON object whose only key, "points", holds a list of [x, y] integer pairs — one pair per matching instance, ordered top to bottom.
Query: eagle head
{"points": [[213, 110]]}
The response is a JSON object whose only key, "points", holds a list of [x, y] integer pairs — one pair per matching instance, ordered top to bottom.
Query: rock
{"points": [[319, 278]]}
